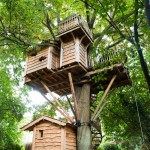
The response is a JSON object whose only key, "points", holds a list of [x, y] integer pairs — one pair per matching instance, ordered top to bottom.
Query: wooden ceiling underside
{"points": [[58, 82]]}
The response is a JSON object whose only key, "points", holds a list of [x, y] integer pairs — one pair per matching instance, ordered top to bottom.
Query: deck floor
{"points": [[58, 82]]}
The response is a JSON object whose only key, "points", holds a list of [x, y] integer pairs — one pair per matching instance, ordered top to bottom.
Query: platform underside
{"points": [[58, 82]]}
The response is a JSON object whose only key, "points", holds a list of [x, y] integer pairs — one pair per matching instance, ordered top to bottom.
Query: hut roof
{"points": [[32, 124]]}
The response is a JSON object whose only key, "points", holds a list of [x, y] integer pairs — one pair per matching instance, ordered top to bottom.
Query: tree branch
{"points": [[147, 11], [87, 12], [91, 24], [113, 24], [48, 25], [99, 36], [114, 44], [139, 49]]}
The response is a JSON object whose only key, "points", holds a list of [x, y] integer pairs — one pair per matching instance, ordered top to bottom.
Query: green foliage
{"points": [[24, 24], [12, 98], [44, 109], [122, 111], [111, 147]]}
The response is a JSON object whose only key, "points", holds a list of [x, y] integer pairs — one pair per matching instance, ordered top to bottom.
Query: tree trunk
{"points": [[84, 136]]}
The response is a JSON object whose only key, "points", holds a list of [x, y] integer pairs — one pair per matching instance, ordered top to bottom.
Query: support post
{"points": [[84, 136]]}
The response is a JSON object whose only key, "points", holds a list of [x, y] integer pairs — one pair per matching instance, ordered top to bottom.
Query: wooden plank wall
{"points": [[69, 54], [82, 55], [51, 61], [55, 61], [33, 63], [70, 138], [51, 139]]}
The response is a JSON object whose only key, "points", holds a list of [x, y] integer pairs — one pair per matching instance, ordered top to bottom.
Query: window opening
{"points": [[41, 132]]}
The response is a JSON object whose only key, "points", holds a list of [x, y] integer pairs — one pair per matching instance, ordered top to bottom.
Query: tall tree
{"points": [[118, 25], [12, 100]]}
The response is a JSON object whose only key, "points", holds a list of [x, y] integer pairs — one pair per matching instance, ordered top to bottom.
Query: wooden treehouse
{"points": [[52, 64], [60, 66], [51, 134]]}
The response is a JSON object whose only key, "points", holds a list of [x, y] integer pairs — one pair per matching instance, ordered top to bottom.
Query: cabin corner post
{"points": [[84, 135], [33, 139]]}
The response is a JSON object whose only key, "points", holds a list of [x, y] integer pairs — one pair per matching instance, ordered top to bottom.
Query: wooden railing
{"points": [[72, 22], [108, 58]]}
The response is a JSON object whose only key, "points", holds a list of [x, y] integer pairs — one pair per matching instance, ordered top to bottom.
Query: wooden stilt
{"points": [[73, 95], [103, 97], [59, 104], [71, 106], [55, 107]]}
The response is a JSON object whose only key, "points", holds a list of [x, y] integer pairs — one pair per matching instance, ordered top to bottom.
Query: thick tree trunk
{"points": [[139, 49], [84, 137]]}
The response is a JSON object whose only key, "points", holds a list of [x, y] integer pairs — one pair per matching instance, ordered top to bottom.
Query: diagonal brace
{"points": [[74, 97], [103, 97], [57, 101], [60, 111]]}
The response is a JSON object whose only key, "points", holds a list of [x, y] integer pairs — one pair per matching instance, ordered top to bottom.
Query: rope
{"points": [[137, 108]]}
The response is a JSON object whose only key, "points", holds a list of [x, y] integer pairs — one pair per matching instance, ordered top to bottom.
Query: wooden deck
{"points": [[58, 82]]}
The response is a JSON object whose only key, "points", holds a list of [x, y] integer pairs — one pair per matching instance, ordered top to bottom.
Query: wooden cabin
{"points": [[75, 37], [46, 59], [51, 134]]}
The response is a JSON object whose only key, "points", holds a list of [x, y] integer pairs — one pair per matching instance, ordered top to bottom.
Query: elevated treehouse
{"points": [[52, 63], [63, 64]]}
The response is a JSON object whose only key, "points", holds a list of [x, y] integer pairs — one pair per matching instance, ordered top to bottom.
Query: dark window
{"points": [[41, 132]]}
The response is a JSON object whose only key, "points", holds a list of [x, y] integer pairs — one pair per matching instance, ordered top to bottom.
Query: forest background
{"points": [[116, 25]]}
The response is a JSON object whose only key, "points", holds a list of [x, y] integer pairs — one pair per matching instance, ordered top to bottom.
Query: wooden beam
{"points": [[73, 37], [82, 38], [101, 70], [53, 73], [73, 95], [103, 97], [57, 101], [103, 105], [71, 106], [55, 107], [33, 138]]}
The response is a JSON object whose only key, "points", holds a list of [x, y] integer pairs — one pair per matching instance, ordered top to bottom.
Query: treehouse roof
{"points": [[32, 124]]}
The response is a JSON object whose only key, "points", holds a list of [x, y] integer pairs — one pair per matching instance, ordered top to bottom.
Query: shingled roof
{"points": [[32, 124]]}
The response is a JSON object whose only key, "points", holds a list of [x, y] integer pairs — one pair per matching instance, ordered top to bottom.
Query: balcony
{"points": [[107, 58]]}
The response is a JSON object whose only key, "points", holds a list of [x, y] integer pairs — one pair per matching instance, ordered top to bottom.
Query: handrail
{"points": [[72, 22], [108, 58]]}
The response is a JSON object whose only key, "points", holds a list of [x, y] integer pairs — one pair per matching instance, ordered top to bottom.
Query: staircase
{"points": [[96, 127]]}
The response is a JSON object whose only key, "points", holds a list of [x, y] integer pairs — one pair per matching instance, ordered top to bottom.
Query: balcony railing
{"points": [[72, 22], [107, 58]]}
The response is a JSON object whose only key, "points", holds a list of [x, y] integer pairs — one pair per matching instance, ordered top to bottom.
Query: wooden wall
{"points": [[73, 51], [68, 53], [83, 55], [46, 58], [33, 63], [55, 137], [51, 139], [70, 139]]}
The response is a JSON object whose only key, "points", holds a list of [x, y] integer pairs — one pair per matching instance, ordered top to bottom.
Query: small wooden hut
{"points": [[52, 134]]}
